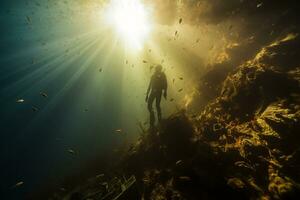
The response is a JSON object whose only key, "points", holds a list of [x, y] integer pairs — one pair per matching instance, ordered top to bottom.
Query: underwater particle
{"points": [[28, 19], [180, 20], [149, 50], [126, 62], [151, 67], [173, 80], [180, 90], [43, 94], [20, 100], [34, 108], [86, 109], [116, 150], [243, 164], [100, 176], [185, 178], [146, 180], [235, 183], [18, 184], [105, 184]]}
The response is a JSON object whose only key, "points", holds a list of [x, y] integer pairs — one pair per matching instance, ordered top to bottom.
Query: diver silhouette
{"points": [[158, 85]]}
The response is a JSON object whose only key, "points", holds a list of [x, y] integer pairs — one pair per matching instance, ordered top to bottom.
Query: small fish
{"points": [[259, 5], [180, 20], [176, 33], [150, 50], [144, 61], [126, 62], [100, 70], [180, 78], [180, 90], [43, 94], [171, 99], [20, 100], [34, 109], [86, 109], [119, 130], [71, 151], [178, 162], [100, 175], [145, 180], [18, 184]]}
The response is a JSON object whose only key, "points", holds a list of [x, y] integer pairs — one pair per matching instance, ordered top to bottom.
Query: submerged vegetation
{"points": [[243, 145]]}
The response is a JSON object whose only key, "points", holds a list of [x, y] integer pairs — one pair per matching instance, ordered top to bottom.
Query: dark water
{"points": [[54, 65], [79, 82]]}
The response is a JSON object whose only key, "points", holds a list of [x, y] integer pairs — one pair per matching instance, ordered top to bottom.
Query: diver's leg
{"points": [[158, 99], [150, 102]]}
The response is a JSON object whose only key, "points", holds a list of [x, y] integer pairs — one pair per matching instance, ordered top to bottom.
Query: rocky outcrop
{"points": [[244, 144]]}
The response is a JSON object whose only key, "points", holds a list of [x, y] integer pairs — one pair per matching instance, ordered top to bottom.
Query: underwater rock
{"points": [[250, 128], [243, 145]]}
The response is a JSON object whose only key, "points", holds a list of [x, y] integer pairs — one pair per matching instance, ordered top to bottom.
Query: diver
{"points": [[158, 85]]}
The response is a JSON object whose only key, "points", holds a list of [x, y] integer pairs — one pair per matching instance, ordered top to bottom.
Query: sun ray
{"points": [[130, 19]]}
